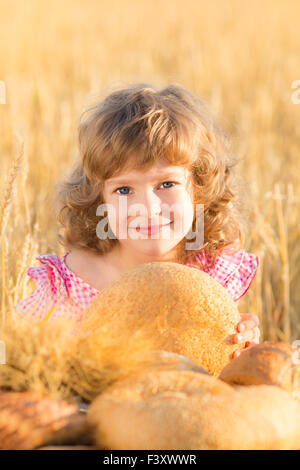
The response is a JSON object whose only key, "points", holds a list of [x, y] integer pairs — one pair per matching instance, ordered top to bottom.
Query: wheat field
{"points": [[241, 56]]}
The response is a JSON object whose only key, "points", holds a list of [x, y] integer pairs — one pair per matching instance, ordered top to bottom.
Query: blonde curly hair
{"points": [[170, 122]]}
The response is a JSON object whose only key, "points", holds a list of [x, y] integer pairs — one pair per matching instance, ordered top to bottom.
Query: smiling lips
{"points": [[151, 229]]}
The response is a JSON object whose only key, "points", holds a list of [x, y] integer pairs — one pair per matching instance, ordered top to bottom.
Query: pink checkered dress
{"points": [[58, 288]]}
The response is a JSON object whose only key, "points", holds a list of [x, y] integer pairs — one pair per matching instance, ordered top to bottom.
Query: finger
{"points": [[247, 323], [248, 335], [236, 353]]}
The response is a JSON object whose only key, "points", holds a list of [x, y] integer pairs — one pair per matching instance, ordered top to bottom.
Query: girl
{"points": [[152, 150]]}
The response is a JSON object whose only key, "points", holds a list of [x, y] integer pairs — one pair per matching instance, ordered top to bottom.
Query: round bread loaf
{"points": [[179, 308], [271, 363], [185, 410]]}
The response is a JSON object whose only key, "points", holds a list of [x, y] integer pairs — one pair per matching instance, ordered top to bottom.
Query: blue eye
{"points": [[168, 182], [123, 187], [127, 188]]}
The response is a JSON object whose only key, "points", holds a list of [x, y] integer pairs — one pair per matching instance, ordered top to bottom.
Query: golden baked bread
{"points": [[153, 307], [172, 307], [270, 362], [185, 410], [29, 420]]}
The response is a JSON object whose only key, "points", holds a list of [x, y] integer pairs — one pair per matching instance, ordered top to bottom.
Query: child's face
{"points": [[139, 203]]}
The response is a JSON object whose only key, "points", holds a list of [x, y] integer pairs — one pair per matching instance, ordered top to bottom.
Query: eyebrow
{"points": [[163, 174]]}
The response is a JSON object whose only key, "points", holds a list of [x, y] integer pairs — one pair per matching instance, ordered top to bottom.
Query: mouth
{"points": [[152, 228]]}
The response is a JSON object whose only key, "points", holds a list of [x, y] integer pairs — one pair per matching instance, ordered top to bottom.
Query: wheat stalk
{"points": [[8, 189]]}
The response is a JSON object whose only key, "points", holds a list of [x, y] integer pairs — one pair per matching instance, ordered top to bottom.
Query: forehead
{"points": [[158, 170]]}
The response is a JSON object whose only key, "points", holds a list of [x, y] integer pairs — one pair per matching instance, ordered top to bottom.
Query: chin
{"points": [[158, 249]]}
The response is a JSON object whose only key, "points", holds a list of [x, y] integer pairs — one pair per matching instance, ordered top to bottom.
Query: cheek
{"points": [[180, 193], [181, 205], [114, 214], [119, 218], [183, 219]]}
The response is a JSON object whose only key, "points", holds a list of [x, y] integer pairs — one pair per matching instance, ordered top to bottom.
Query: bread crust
{"points": [[180, 309], [271, 363], [185, 410]]}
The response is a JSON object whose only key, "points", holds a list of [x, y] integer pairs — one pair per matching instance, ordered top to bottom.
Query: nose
{"points": [[151, 203]]}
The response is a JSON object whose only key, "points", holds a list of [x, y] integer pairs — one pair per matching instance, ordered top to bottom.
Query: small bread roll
{"points": [[179, 308], [270, 363], [185, 410], [29, 420]]}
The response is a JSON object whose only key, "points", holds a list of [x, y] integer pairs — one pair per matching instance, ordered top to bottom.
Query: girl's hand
{"points": [[248, 330]]}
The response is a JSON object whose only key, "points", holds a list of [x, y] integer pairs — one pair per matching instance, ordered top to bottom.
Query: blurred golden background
{"points": [[241, 56]]}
